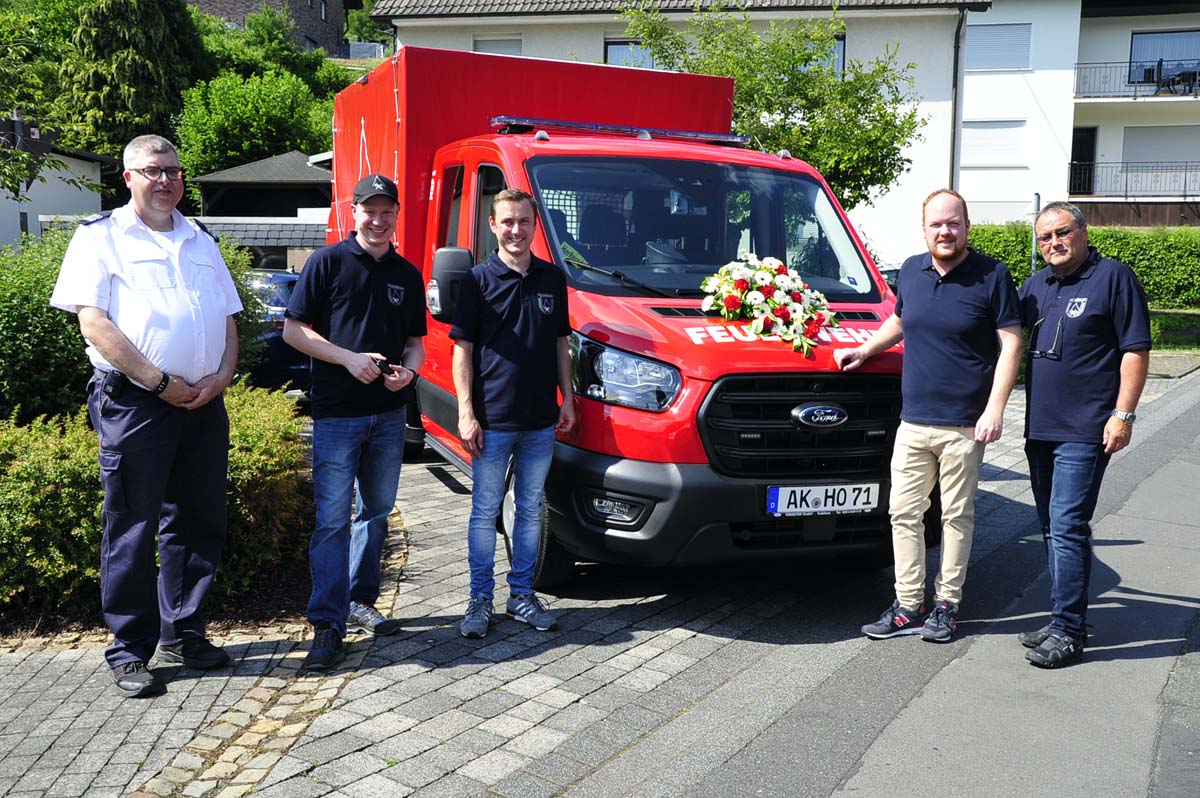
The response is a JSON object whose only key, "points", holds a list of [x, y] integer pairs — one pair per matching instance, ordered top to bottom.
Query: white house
{"points": [[1060, 98], [54, 196]]}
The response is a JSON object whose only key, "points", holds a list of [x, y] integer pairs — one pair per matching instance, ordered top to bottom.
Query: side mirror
{"points": [[441, 292]]}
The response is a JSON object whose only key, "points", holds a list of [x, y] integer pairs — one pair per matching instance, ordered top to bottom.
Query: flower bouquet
{"points": [[779, 305]]}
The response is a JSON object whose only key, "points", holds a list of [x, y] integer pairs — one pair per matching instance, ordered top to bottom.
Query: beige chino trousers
{"points": [[924, 454]]}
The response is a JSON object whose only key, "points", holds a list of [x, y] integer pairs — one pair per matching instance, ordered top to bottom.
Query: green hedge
{"points": [[1165, 259], [43, 369], [50, 501]]}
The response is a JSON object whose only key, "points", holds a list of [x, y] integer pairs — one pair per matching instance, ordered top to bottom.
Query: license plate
{"points": [[822, 499]]}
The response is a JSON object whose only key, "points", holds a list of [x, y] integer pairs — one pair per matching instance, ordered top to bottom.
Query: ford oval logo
{"points": [[819, 415]]}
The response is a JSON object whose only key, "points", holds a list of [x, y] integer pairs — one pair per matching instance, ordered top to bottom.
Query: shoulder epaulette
{"points": [[95, 217], [205, 230]]}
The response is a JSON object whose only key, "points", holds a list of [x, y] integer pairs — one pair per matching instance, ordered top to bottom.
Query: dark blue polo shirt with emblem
{"points": [[360, 304], [514, 323], [1079, 328], [950, 344]]}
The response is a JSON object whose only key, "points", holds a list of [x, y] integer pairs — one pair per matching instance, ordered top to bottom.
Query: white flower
{"points": [[796, 119], [772, 263], [740, 273], [763, 278], [783, 282], [755, 298], [708, 303], [795, 309]]}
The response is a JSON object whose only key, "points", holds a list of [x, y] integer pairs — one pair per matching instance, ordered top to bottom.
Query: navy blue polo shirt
{"points": [[360, 304], [514, 323], [1085, 323], [950, 345]]}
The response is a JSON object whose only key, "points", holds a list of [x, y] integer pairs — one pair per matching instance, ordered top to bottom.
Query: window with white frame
{"points": [[508, 45], [999, 46], [628, 52], [994, 143]]}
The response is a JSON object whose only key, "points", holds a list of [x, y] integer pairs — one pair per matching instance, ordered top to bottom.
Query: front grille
{"points": [[747, 428], [794, 533]]}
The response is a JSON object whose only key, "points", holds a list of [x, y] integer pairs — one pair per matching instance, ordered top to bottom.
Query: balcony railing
{"points": [[1138, 78], [1136, 179]]}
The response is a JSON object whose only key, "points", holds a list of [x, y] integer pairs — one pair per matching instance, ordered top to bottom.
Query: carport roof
{"points": [[486, 8], [291, 167]]}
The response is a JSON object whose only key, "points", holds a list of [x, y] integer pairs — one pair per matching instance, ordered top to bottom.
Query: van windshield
{"points": [[667, 224]]}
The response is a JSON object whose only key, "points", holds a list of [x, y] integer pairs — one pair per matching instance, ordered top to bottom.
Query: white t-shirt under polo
{"points": [[168, 293]]}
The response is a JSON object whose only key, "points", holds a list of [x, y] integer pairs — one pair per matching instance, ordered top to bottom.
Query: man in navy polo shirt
{"points": [[358, 310], [956, 311], [1089, 351], [510, 355]]}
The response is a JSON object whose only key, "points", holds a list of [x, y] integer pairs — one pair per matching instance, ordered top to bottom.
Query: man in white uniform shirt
{"points": [[155, 303]]}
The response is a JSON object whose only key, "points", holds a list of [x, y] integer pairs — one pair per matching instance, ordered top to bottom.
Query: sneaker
{"points": [[528, 608], [477, 617], [365, 618], [896, 621], [939, 626], [1034, 639], [327, 650], [1056, 651], [194, 652], [135, 680]]}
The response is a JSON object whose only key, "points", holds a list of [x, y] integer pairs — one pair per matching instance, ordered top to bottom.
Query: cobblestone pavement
{"points": [[684, 664]]}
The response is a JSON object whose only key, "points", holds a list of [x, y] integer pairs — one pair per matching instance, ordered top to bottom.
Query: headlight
{"points": [[610, 375]]}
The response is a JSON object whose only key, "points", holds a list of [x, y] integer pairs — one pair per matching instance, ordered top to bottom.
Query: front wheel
{"points": [[555, 566]]}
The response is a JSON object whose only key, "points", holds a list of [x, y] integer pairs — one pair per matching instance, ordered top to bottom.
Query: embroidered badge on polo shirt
{"points": [[395, 294], [545, 303], [1075, 307]]}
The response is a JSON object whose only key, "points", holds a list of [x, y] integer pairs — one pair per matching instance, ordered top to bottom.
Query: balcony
{"points": [[1121, 79], [1135, 179]]}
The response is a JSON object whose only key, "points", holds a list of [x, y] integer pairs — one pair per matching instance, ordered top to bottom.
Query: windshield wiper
{"points": [[625, 278], [690, 292]]}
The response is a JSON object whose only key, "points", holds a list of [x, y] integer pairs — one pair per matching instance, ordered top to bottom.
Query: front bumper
{"points": [[692, 515]]}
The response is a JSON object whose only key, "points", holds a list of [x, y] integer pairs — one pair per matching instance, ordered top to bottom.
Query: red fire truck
{"points": [[696, 442]]}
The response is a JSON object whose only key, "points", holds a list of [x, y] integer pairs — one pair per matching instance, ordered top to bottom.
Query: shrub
{"points": [[1165, 259], [43, 369], [50, 502]]}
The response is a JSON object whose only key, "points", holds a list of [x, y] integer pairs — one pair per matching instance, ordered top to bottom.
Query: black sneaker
{"points": [[896, 621], [940, 624], [1034, 639], [327, 650], [1056, 651], [194, 652], [135, 680]]}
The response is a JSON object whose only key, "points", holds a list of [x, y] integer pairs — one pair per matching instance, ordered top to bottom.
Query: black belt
{"points": [[114, 384]]}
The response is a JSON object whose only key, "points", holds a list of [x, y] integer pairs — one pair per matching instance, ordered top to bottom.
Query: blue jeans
{"points": [[363, 452], [531, 452], [1066, 483]]}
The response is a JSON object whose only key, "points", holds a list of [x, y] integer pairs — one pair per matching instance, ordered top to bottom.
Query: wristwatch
{"points": [[1128, 418]]}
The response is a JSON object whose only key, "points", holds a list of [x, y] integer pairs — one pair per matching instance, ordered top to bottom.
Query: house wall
{"points": [[326, 33], [1108, 38], [1041, 96], [1111, 119], [52, 197]]}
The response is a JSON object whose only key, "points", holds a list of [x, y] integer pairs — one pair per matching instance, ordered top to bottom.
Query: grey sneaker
{"points": [[528, 608], [477, 617], [365, 618], [896, 621], [941, 622], [1035, 638], [1057, 650]]}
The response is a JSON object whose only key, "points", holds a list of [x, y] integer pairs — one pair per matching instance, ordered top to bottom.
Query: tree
{"points": [[361, 28], [130, 63], [232, 120], [852, 125]]}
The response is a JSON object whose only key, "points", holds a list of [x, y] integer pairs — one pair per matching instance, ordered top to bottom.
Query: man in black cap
{"points": [[359, 311]]}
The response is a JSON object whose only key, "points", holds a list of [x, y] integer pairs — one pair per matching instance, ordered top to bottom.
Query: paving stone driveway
{"points": [[651, 680]]}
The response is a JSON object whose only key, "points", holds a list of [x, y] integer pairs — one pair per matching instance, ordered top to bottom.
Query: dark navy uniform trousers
{"points": [[164, 471]]}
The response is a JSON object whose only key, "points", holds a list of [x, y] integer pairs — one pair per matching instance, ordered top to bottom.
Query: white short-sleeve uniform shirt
{"points": [[169, 293]]}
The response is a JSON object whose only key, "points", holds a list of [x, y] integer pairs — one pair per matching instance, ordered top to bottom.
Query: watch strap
{"points": [[162, 384]]}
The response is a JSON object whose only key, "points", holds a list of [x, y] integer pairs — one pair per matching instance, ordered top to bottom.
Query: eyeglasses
{"points": [[155, 173], [1061, 235], [1051, 353]]}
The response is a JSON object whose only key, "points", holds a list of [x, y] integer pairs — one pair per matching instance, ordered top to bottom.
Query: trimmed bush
{"points": [[1165, 259], [43, 369], [50, 502]]}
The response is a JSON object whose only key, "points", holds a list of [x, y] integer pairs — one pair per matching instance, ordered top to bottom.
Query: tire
{"points": [[555, 566]]}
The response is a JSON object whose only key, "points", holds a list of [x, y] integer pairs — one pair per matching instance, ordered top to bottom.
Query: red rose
{"points": [[781, 269], [742, 286], [768, 291], [797, 296], [732, 302], [782, 314], [819, 318], [768, 323], [812, 329]]}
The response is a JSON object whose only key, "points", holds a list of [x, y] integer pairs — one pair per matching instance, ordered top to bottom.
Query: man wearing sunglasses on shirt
{"points": [[155, 304], [1087, 358]]}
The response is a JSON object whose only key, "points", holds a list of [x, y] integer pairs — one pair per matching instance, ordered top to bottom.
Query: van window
{"points": [[489, 184], [450, 206], [669, 223]]}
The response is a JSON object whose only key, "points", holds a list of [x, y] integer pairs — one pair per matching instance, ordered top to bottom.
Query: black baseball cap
{"points": [[375, 186]]}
